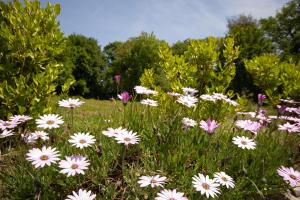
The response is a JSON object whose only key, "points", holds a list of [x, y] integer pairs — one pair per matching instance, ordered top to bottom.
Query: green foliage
{"points": [[284, 30], [250, 38], [31, 43], [180, 47], [132, 57], [88, 63], [202, 66], [177, 71], [290, 76], [147, 79], [277, 79]]}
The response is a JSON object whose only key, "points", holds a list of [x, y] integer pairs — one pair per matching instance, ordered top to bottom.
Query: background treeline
{"points": [[38, 60], [94, 67]]}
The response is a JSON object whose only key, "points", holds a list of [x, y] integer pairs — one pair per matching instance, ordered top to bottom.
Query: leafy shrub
{"points": [[31, 43], [202, 66], [277, 79]]}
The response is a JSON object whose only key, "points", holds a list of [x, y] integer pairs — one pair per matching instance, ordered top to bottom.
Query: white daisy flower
{"points": [[144, 90], [189, 91], [173, 94], [219, 96], [207, 97], [187, 100], [289, 101], [149, 102], [231, 102], [70, 103], [251, 114], [20, 118], [49, 121], [187, 122], [7, 124], [289, 127], [111, 132], [6, 133], [41, 135], [33, 137], [28, 138], [127, 138], [81, 140], [244, 142], [42, 157], [74, 165], [224, 179], [154, 181], [206, 186], [81, 195], [170, 195]]}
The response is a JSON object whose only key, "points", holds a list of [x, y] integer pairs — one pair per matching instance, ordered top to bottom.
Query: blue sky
{"points": [[170, 20]]}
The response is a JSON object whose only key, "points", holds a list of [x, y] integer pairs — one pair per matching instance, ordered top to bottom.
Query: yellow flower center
{"points": [[50, 122], [44, 157]]}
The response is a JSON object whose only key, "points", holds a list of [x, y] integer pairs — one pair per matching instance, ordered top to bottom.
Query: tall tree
{"points": [[284, 30], [247, 34], [180, 47], [133, 56], [88, 64]]}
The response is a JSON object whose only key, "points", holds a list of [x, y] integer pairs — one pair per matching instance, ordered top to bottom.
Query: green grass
{"points": [[165, 148]]}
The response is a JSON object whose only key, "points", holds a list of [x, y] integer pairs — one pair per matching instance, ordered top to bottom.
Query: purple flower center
{"points": [[127, 139], [74, 166], [293, 177], [153, 181]]}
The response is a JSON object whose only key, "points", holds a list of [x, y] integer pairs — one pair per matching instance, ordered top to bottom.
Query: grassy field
{"points": [[165, 148]]}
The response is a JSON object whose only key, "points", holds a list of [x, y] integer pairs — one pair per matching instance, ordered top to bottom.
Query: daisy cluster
{"points": [[146, 91], [218, 97], [187, 99], [259, 116], [293, 117], [248, 125], [291, 125], [209, 126], [7, 127], [122, 135], [46, 156], [203, 184], [211, 187]]}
